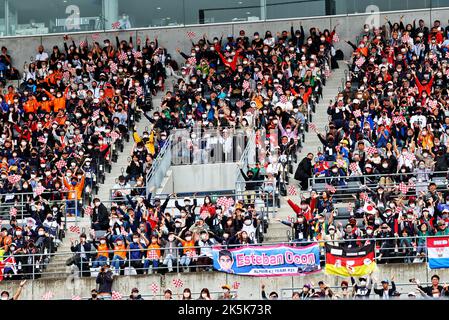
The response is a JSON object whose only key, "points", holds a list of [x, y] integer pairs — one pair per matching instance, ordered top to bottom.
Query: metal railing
{"points": [[159, 167], [36, 265]]}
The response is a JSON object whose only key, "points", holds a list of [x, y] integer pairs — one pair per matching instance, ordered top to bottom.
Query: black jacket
{"points": [[101, 215], [87, 249], [104, 280], [380, 292]]}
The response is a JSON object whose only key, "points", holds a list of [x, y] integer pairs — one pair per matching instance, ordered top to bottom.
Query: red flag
{"points": [[116, 25], [191, 34], [335, 38], [83, 44], [137, 54], [122, 56], [192, 61], [360, 61], [113, 67], [283, 99], [357, 113], [371, 150], [60, 164], [354, 167], [13, 179], [331, 188], [403, 188], [39, 190], [292, 190], [88, 210], [13, 211], [75, 229], [178, 283], [236, 285], [154, 288], [116, 295], [77, 298]]}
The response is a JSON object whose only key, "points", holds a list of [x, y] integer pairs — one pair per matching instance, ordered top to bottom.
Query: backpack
{"points": [[339, 55]]}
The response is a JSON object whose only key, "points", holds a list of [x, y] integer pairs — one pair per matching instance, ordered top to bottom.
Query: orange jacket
{"points": [[9, 97], [59, 103], [31, 105], [46, 105], [79, 187], [156, 248], [103, 251], [120, 251]]}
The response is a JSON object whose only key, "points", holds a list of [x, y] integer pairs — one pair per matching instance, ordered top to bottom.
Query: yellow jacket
{"points": [[149, 145]]}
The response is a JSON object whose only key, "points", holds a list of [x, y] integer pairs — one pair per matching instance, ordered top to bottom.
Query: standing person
{"points": [[304, 171], [104, 279], [362, 290]]}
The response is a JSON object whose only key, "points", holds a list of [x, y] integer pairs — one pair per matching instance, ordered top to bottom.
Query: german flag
{"points": [[347, 262]]}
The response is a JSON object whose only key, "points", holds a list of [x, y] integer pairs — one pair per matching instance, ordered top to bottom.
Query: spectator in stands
{"points": [[83, 252], [104, 280], [435, 290], [5, 294], [135, 295]]}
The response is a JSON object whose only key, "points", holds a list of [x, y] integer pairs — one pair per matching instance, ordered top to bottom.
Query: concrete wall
{"points": [[349, 27], [201, 178], [249, 288]]}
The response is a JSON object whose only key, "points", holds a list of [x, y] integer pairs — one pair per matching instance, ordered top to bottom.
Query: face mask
{"points": [[248, 222], [19, 233], [41, 233], [203, 237], [171, 238], [188, 238], [135, 240], [363, 283], [5, 297]]}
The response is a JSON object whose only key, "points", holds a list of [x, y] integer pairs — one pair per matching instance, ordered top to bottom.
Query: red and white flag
{"points": [[116, 25], [191, 34], [335, 38], [83, 44], [137, 54], [447, 55], [122, 56], [192, 61], [360, 61], [113, 67], [90, 68], [245, 85], [279, 90], [139, 91], [283, 99], [357, 113], [96, 114], [312, 126], [77, 139], [371, 150], [410, 156], [61, 164], [354, 167], [14, 179], [411, 185], [330, 188], [403, 188], [39, 190], [292, 190], [229, 202], [13, 211], [88, 211], [204, 214], [75, 229], [178, 283], [236, 285], [154, 288], [116, 295], [47, 296], [77, 298]]}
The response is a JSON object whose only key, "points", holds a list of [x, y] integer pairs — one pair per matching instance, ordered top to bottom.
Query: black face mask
{"points": [[94, 295]]}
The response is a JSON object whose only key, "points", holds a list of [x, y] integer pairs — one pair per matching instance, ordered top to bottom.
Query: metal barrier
{"points": [[159, 167], [356, 182], [22, 203], [33, 266], [174, 294]]}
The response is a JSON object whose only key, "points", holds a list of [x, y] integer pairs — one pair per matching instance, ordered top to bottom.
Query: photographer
{"points": [[104, 280]]}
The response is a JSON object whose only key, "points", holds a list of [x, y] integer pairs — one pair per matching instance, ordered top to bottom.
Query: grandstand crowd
{"points": [[77, 106]]}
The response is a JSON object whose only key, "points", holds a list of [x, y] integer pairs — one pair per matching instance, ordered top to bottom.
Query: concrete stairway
{"points": [[277, 232], [57, 267]]}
